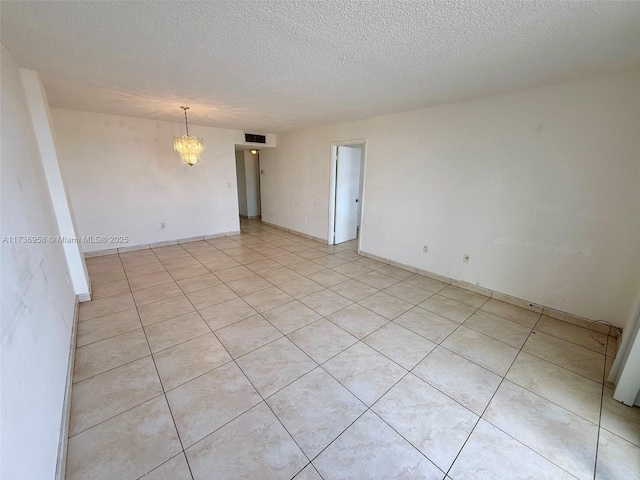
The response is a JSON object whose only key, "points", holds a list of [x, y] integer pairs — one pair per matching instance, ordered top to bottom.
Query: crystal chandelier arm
{"points": [[186, 124]]}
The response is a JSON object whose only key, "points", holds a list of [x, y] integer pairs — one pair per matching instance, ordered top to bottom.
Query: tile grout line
{"points": [[294, 299], [252, 385], [164, 393]]}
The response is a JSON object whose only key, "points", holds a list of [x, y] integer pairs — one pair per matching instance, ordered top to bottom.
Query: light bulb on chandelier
{"points": [[187, 146]]}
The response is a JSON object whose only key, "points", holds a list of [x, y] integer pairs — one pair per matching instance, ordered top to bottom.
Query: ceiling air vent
{"points": [[254, 138]]}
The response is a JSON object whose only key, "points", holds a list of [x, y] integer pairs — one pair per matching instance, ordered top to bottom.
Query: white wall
{"points": [[252, 176], [124, 178], [241, 183], [540, 187], [37, 299]]}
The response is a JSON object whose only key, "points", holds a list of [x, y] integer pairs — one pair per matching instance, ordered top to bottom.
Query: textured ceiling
{"points": [[275, 66]]}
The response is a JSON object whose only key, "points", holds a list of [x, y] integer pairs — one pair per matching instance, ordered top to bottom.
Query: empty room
{"points": [[333, 239]]}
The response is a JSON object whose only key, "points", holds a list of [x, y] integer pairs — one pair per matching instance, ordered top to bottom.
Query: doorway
{"points": [[248, 178], [347, 181]]}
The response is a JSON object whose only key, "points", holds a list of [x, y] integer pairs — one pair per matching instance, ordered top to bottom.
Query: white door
{"points": [[347, 191]]}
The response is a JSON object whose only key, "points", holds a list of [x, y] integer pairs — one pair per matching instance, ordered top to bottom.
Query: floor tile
{"points": [[139, 257], [103, 259], [289, 259], [328, 261], [367, 262], [180, 263], [217, 266], [263, 266], [307, 268], [146, 269], [351, 270], [188, 272], [395, 272], [235, 273], [281, 275], [328, 278], [150, 280], [377, 280], [200, 282], [426, 283], [247, 285], [300, 288], [108, 289], [354, 290], [409, 293], [149, 295], [463, 295], [210, 296], [267, 299], [325, 302], [386, 305], [104, 306], [447, 308], [164, 310], [226, 313], [291, 316], [522, 316], [357, 320], [427, 324], [100, 328], [499, 328], [174, 331], [572, 333], [246, 335], [322, 340], [400, 345], [481, 349], [106, 354], [568, 355], [188, 360], [275, 365], [366, 373], [462, 380], [559, 385], [106, 395], [201, 406], [315, 409], [619, 418], [431, 421], [560, 436], [255, 445], [126, 446], [371, 449], [492, 454], [617, 458], [174, 469], [308, 473]]}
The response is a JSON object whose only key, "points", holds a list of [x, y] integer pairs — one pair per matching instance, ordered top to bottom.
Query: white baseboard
{"points": [[305, 235], [145, 246], [519, 302], [63, 441]]}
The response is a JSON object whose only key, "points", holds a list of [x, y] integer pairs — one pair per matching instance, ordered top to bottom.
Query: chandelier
{"points": [[187, 146]]}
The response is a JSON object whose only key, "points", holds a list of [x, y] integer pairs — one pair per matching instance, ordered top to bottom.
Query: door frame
{"points": [[332, 185]]}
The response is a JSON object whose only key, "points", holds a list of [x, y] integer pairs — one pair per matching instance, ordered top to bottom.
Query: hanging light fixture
{"points": [[187, 146]]}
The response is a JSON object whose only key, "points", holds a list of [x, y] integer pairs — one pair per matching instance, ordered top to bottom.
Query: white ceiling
{"points": [[281, 65]]}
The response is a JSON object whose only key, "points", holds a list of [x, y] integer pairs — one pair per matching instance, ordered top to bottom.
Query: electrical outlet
{"points": [[162, 225], [425, 249], [465, 258]]}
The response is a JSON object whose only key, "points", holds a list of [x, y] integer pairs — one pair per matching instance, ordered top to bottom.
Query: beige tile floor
{"points": [[266, 355]]}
